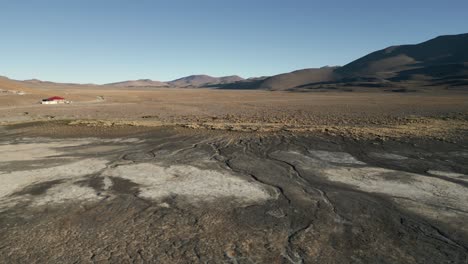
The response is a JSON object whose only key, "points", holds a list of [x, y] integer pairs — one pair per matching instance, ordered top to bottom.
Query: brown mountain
{"points": [[443, 50], [439, 62], [296, 78], [230, 79], [203, 80], [139, 83], [7, 84], [246, 84]]}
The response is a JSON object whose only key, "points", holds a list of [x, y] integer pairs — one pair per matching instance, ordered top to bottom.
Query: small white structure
{"points": [[55, 100]]}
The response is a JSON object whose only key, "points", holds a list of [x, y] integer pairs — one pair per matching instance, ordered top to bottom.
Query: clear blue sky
{"points": [[104, 41]]}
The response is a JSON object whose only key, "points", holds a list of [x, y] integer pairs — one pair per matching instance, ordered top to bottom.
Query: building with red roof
{"points": [[54, 100]]}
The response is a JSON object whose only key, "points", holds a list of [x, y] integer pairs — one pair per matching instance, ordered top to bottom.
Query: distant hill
{"points": [[443, 50], [439, 61], [442, 61], [296, 78], [230, 79], [203, 80], [284, 81], [37, 82], [139, 83], [7, 84], [246, 84]]}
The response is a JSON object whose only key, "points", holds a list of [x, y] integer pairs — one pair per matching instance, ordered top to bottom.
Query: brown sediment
{"points": [[172, 194]]}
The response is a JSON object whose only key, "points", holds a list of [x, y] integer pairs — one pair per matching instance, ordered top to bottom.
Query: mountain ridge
{"points": [[441, 61], [203, 79]]}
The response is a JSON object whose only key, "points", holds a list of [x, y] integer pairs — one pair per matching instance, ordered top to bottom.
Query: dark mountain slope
{"points": [[389, 62], [296, 78], [202, 80], [140, 83]]}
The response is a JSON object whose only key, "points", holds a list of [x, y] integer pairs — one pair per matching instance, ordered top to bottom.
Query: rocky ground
{"points": [[81, 193]]}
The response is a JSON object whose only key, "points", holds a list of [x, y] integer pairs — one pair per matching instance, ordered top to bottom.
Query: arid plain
{"points": [[253, 110]]}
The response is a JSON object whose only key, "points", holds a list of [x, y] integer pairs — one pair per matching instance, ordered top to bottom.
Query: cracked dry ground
{"points": [[180, 196]]}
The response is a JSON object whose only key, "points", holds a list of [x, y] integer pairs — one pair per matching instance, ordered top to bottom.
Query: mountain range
{"points": [[439, 62], [202, 80], [189, 81], [140, 83]]}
